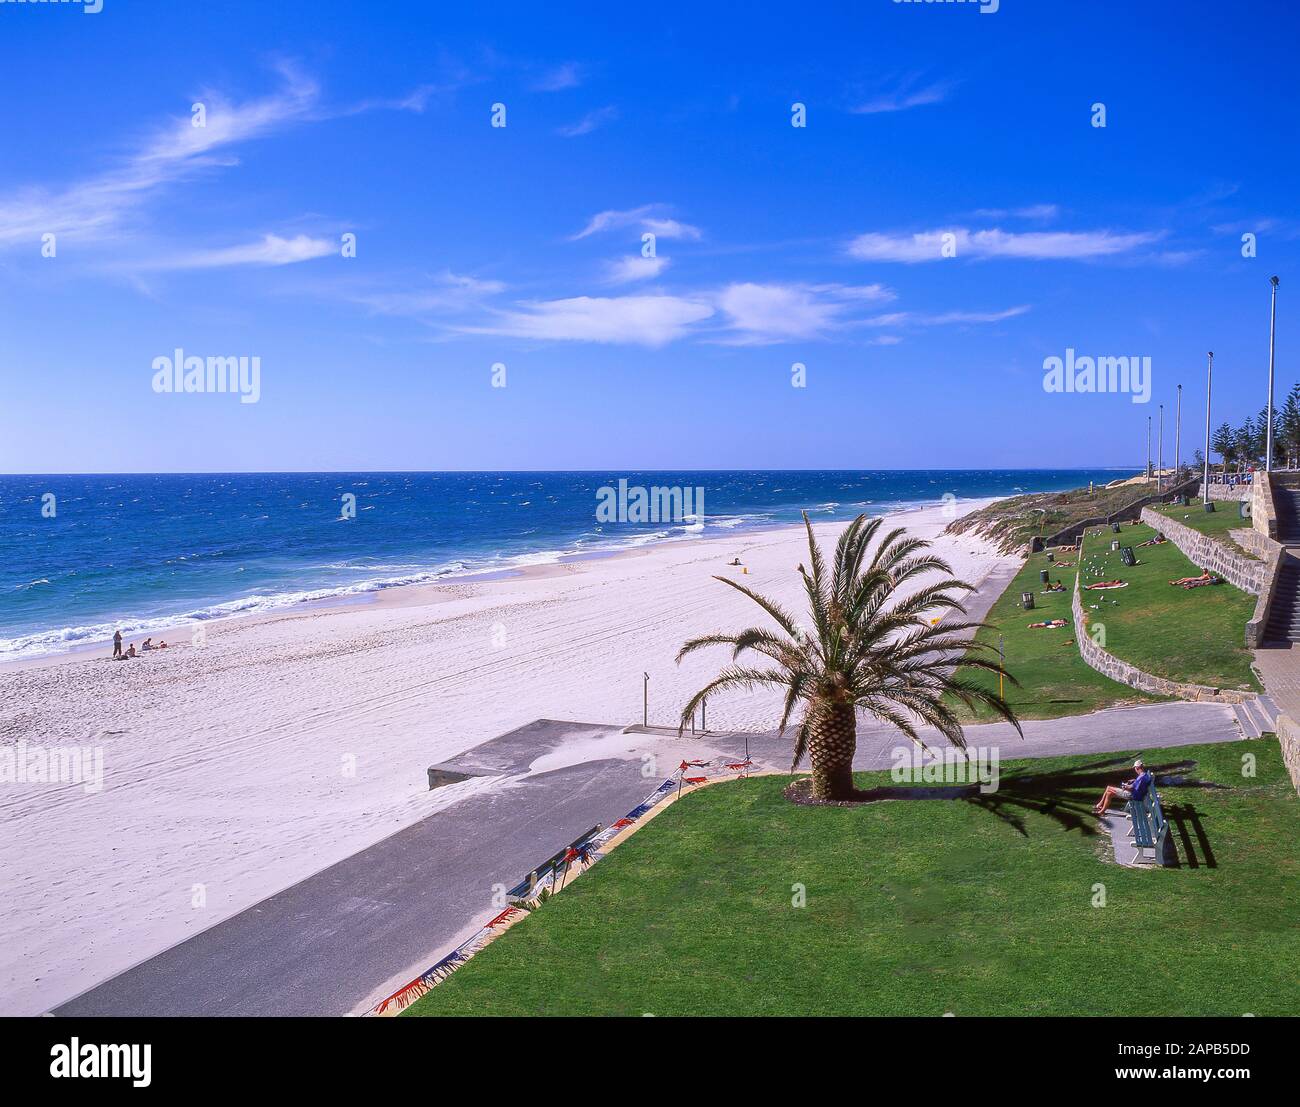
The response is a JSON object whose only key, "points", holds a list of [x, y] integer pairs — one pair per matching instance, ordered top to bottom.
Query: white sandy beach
{"points": [[226, 767]]}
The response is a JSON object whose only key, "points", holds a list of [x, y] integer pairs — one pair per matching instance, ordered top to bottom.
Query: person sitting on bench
{"points": [[1134, 789]]}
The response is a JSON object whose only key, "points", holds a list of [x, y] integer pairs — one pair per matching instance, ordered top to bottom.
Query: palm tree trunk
{"points": [[832, 738]]}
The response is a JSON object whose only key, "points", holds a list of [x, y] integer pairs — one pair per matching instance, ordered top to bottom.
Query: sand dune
{"points": [[289, 742]]}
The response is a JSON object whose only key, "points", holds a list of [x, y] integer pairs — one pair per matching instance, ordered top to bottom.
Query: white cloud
{"points": [[906, 95], [589, 122], [97, 207], [648, 217], [928, 245], [271, 250], [635, 268], [444, 293], [760, 314], [947, 318], [639, 320]]}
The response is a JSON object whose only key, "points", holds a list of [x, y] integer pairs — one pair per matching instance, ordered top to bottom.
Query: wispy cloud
{"points": [[559, 78], [908, 93], [589, 122], [96, 208], [1038, 213], [648, 217], [1039, 245], [271, 250], [634, 268], [440, 295], [762, 314], [638, 320]]}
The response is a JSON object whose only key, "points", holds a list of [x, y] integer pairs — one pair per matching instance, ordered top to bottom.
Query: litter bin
{"points": [[1115, 527], [1126, 556], [1044, 576], [1027, 600]]}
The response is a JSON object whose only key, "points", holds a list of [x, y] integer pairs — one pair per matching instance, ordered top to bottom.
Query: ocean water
{"points": [[142, 552]]}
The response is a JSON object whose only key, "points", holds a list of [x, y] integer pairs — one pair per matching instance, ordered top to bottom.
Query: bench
{"points": [[1149, 826]]}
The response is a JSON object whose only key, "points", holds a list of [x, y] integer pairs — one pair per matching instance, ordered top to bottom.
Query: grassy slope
{"points": [[1012, 522], [1216, 523], [1196, 635], [1054, 680], [918, 908]]}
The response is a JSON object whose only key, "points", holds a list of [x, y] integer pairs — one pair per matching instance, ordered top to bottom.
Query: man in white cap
{"points": [[1134, 789]]}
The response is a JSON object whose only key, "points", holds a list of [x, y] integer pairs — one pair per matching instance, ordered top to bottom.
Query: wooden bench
{"points": [[1149, 826]]}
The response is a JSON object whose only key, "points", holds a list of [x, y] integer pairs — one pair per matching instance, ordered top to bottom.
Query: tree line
{"points": [[1244, 446]]}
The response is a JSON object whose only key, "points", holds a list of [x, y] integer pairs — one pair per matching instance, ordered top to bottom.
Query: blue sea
{"points": [[144, 552]]}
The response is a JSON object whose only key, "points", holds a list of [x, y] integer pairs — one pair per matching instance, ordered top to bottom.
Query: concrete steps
{"points": [[1256, 717]]}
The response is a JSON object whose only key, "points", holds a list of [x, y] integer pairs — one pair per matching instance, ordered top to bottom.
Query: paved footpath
{"points": [[341, 940]]}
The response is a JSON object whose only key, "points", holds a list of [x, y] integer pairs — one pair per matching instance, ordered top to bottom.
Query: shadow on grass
{"points": [[1067, 797]]}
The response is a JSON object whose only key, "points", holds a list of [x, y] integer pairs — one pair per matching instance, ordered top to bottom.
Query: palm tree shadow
{"points": [[1067, 796]]}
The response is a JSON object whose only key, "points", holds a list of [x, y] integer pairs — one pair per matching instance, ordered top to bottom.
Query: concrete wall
{"points": [[1223, 492], [1263, 514], [1259, 620], [1109, 665], [1288, 736]]}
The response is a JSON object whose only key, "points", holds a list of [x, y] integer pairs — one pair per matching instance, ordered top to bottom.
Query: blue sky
{"points": [[522, 244]]}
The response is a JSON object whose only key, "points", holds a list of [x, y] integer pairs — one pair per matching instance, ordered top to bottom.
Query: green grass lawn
{"points": [[1216, 524], [1196, 635], [1054, 679], [922, 907]]}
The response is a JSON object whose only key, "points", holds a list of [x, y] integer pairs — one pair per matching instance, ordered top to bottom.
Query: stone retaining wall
{"points": [[1223, 492], [1247, 573], [1109, 665], [1288, 736]]}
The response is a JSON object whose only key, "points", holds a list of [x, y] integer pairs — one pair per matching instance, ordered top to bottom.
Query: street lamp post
{"points": [[1272, 327], [1178, 433], [1148, 449], [1160, 453], [1205, 480]]}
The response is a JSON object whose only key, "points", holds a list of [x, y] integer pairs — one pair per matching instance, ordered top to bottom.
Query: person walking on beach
{"points": [[117, 644]]}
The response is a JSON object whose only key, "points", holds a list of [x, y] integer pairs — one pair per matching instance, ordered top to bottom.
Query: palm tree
{"points": [[869, 650]]}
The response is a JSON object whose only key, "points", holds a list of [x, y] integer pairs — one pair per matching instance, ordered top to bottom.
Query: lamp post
{"points": [[1272, 327], [1209, 381], [1178, 433], [1148, 449], [1160, 453], [645, 700]]}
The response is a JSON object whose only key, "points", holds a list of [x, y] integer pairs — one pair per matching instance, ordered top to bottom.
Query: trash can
{"points": [[1115, 527], [1114, 545], [1126, 556], [1044, 576], [1027, 600]]}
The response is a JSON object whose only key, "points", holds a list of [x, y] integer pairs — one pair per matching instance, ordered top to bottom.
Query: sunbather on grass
{"points": [[1195, 582]]}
